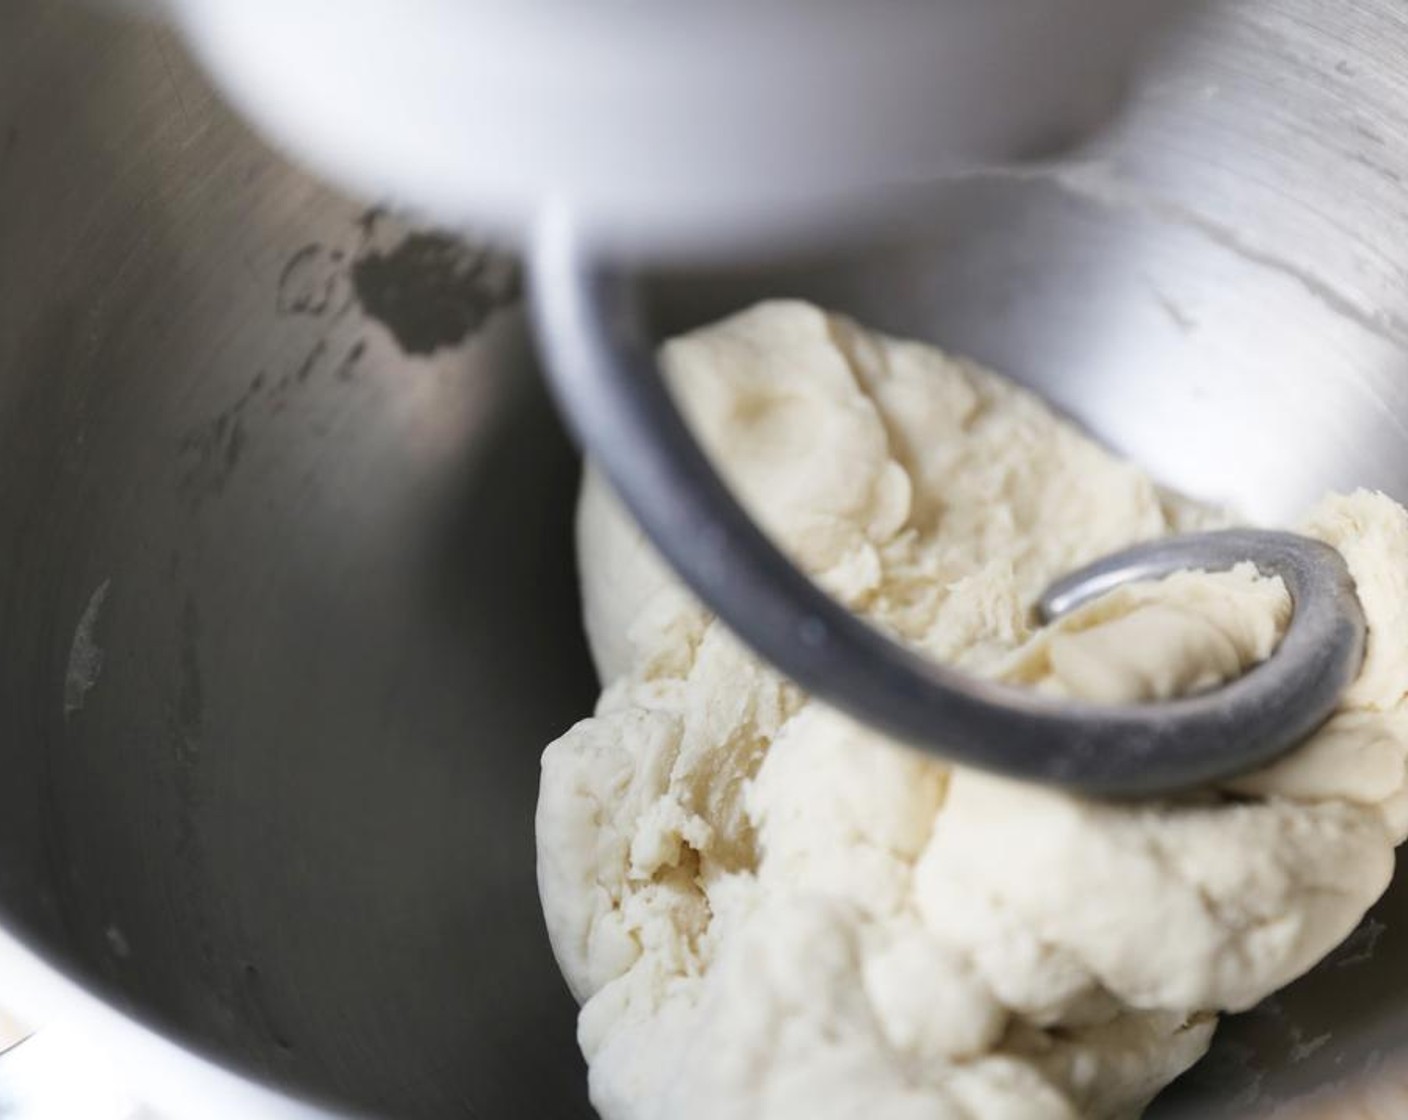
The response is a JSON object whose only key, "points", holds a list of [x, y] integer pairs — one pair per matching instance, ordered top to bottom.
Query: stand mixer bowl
{"points": [[287, 603]]}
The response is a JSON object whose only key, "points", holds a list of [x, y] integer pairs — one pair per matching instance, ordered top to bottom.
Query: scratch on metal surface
{"points": [[170, 72], [1094, 183], [1179, 317], [1387, 410], [85, 659], [117, 942], [1359, 947], [1302, 1050]]}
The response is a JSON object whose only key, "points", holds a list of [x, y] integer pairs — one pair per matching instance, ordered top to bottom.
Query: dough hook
{"points": [[829, 123], [609, 387]]}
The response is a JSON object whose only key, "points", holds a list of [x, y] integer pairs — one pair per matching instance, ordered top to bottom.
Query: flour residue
{"points": [[85, 659]]}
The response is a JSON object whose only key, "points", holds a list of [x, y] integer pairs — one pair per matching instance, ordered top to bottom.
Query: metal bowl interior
{"points": [[287, 604]]}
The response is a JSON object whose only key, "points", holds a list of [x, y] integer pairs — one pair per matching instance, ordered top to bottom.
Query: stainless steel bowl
{"points": [[287, 606]]}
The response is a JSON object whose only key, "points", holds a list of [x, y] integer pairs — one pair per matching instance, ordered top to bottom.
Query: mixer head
{"points": [[691, 129]]}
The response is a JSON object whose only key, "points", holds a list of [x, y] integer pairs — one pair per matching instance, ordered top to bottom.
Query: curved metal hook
{"points": [[607, 385]]}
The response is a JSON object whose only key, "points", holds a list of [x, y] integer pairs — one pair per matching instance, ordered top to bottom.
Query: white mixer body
{"points": [[696, 129]]}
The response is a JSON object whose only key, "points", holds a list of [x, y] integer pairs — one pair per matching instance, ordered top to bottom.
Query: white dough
{"points": [[770, 913]]}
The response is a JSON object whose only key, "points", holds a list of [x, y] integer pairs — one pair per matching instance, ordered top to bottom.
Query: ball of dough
{"points": [[769, 911]]}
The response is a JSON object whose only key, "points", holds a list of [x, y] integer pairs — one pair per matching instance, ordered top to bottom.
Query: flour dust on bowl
{"points": [[287, 613]]}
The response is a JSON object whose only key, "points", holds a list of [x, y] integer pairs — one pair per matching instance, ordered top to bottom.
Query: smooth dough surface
{"points": [[769, 912]]}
